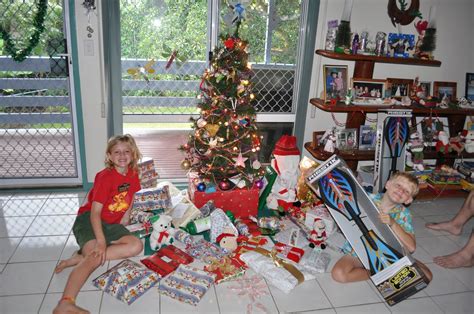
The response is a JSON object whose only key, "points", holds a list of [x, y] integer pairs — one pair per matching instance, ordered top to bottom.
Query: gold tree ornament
{"points": [[212, 129], [185, 164]]}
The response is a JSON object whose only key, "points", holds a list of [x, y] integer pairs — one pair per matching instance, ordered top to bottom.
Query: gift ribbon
{"points": [[147, 226], [163, 234], [281, 263]]}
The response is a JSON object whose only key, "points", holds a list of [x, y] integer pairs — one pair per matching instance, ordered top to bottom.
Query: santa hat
{"points": [[286, 145]]}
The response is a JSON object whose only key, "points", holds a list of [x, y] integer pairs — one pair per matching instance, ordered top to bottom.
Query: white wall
{"points": [[454, 47], [92, 91]]}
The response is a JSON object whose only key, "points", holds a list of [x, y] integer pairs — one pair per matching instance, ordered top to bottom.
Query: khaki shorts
{"points": [[83, 231]]}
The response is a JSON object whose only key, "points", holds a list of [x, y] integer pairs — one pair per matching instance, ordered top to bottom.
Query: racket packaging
{"points": [[392, 269]]}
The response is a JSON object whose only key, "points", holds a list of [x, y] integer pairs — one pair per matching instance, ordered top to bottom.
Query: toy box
{"points": [[390, 149], [392, 270]]}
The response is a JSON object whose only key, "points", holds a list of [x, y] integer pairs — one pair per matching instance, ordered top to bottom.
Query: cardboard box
{"points": [[241, 202], [393, 270]]}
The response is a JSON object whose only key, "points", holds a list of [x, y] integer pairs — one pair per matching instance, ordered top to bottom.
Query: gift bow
{"points": [[282, 263]]}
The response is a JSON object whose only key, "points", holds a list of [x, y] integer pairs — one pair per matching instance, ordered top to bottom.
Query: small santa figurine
{"points": [[285, 162], [317, 237]]}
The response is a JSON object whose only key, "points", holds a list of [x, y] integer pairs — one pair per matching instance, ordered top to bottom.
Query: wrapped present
{"points": [[147, 173], [268, 181], [158, 198], [241, 202], [182, 209], [138, 216], [221, 223], [140, 230], [291, 233], [183, 237], [205, 251], [289, 252], [167, 260], [315, 261], [226, 268], [279, 273], [126, 281], [187, 284]]}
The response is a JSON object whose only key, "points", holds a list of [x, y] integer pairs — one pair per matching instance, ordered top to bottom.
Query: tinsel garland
{"points": [[20, 55]]}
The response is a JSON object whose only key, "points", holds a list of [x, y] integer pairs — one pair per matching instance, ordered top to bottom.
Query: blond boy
{"points": [[400, 189]]}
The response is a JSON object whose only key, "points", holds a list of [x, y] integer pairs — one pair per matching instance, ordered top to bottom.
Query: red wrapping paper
{"points": [[241, 202]]}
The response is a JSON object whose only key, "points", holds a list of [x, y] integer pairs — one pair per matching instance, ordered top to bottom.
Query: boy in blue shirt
{"points": [[400, 189]]}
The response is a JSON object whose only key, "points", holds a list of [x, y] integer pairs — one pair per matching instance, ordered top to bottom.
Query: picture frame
{"points": [[400, 45], [335, 81], [399, 87], [368, 88], [444, 88], [426, 89], [469, 94], [428, 133], [367, 137], [346, 139]]}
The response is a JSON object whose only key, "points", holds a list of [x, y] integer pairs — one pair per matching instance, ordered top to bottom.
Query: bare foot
{"points": [[445, 226], [458, 259], [72, 261], [69, 308]]}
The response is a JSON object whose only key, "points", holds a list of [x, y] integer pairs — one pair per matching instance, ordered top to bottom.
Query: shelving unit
{"points": [[364, 68]]}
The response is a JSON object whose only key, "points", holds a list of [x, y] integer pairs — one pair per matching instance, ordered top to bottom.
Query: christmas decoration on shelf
{"points": [[400, 14], [343, 35], [428, 44], [20, 55], [222, 150]]}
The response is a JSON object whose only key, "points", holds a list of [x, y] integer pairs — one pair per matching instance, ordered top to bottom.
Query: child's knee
{"points": [[136, 246], [91, 261], [339, 274]]}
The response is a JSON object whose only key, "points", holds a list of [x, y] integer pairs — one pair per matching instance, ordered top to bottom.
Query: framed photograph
{"points": [[400, 45], [335, 81], [470, 86], [399, 87], [368, 88], [425, 89], [448, 89], [428, 130], [367, 135], [346, 139]]}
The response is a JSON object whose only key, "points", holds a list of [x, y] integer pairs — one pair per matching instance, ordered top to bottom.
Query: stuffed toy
{"points": [[456, 144], [469, 144], [442, 145], [415, 148], [285, 162], [162, 232], [317, 237], [227, 239]]}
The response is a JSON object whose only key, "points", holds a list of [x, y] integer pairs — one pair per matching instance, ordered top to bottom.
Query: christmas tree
{"points": [[222, 150]]}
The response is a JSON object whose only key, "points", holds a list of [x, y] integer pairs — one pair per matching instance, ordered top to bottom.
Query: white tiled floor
{"points": [[35, 234]]}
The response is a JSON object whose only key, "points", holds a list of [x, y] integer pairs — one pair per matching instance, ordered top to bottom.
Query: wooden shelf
{"points": [[377, 59], [364, 65], [342, 107], [320, 154]]}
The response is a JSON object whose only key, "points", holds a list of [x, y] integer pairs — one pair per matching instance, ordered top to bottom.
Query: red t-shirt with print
{"points": [[114, 191]]}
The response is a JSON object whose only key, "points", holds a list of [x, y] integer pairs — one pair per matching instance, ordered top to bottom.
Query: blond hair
{"points": [[128, 139], [411, 178]]}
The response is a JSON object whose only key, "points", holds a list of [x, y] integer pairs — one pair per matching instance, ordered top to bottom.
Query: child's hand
{"points": [[386, 219]]}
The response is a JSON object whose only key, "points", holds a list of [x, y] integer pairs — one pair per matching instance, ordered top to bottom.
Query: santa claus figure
{"points": [[285, 162], [317, 237]]}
